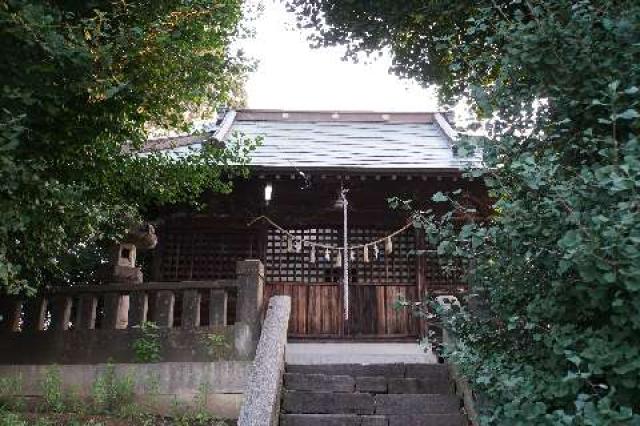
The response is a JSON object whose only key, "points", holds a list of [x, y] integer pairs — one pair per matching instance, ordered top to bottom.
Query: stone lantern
{"points": [[142, 237]]}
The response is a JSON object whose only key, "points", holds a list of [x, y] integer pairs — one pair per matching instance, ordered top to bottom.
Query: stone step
{"points": [[361, 370], [399, 370], [319, 382], [376, 384], [424, 385], [298, 402], [301, 402], [410, 404], [332, 420], [375, 420], [427, 420]]}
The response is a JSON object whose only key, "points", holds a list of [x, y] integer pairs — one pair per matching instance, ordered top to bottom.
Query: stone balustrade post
{"points": [[250, 278], [10, 309]]}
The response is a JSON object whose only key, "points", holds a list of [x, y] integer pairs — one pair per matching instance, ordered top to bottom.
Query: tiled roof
{"points": [[339, 140]]}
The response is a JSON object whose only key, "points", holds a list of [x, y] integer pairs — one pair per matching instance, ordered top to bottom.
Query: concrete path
{"points": [[357, 353]]}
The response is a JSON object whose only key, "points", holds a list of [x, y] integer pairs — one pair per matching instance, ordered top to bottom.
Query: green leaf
{"points": [[629, 114]]}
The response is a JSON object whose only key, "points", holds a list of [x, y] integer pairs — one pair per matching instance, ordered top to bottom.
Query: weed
{"points": [[216, 345], [147, 347], [10, 391], [52, 392], [112, 394], [75, 402], [198, 415], [8, 418]]}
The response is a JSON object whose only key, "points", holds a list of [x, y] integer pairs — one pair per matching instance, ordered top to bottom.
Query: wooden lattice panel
{"points": [[203, 254], [291, 266], [443, 276]]}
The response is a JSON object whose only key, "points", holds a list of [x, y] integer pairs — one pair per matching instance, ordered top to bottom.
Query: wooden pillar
{"points": [[421, 290], [165, 301], [218, 307], [138, 308], [191, 309], [35, 312], [60, 312], [86, 315]]}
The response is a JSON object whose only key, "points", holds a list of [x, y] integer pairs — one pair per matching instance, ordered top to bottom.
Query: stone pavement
{"points": [[357, 353]]}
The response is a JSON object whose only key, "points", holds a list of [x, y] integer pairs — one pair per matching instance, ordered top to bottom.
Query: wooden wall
{"points": [[205, 245]]}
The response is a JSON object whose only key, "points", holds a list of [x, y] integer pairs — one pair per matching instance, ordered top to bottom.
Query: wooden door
{"points": [[314, 284], [317, 310]]}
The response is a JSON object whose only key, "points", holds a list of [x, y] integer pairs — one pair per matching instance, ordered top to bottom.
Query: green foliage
{"points": [[81, 85], [556, 340], [216, 345], [147, 347], [10, 391], [52, 391], [112, 394], [199, 413], [8, 418]]}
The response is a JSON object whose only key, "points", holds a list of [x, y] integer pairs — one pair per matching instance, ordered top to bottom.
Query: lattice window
{"points": [[192, 255], [284, 266], [443, 276]]}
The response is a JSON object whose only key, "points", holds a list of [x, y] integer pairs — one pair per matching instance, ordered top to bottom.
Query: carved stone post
{"points": [[165, 301], [218, 307], [138, 308], [10, 309], [191, 309], [249, 310], [111, 311], [35, 312], [60, 312], [86, 316]]}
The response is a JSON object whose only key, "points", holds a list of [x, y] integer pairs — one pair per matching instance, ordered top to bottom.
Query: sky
{"points": [[293, 76]]}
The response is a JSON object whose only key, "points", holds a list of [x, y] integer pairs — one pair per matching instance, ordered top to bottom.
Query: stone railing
{"points": [[194, 321], [460, 382], [261, 406]]}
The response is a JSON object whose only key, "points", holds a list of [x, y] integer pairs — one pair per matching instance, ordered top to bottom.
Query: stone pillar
{"points": [[250, 290], [250, 294], [165, 300], [112, 303], [218, 307], [138, 308], [191, 308], [10, 309], [35, 312], [60, 312], [86, 315], [261, 405]]}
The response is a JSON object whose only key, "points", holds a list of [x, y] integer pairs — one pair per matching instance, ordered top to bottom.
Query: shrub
{"points": [[147, 347], [52, 391], [111, 394]]}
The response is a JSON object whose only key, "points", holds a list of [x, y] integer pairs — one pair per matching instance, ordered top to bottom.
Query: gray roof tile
{"points": [[318, 140]]}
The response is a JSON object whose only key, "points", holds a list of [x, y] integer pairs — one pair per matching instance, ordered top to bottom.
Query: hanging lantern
{"points": [[388, 245], [298, 246], [376, 251], [312, 254], [365, 254], [327, 255], [352, 255]]}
